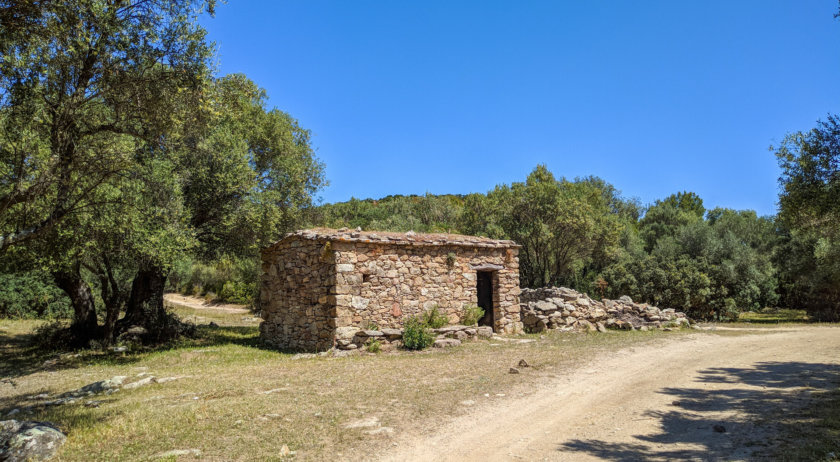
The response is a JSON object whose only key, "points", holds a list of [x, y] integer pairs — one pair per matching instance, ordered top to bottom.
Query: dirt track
{"points": [[200, 304], [659, 402]]}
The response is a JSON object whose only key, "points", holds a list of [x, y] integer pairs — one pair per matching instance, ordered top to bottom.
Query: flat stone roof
{"points": [[391, 238]]}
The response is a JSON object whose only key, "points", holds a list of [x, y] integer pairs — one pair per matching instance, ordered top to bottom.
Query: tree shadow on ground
{"points": [[20, 356], [768, 415]]}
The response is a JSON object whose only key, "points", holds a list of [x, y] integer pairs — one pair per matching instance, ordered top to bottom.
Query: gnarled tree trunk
{"points": [[145, 304], [84, 325]]}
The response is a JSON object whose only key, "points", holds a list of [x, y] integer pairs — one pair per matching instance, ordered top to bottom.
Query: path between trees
{"points": [[200, 304], [705, 397]]}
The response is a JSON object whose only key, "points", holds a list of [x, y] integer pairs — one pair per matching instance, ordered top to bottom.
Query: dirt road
{"points": [[201, 304], [705, 397]]}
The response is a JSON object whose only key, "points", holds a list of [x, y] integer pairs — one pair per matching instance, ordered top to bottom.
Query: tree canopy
{"points": [[121, 154]]}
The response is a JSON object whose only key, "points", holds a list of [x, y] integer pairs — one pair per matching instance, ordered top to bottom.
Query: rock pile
{"points": [[565, 309], [352, 338]]}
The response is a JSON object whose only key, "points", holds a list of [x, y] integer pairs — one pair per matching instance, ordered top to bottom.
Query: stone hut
{"points": [[319, 280]]}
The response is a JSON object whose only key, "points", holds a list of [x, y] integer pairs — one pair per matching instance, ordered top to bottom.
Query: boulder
{"points": [[625, 299], [598, 313], [587, 325], [449, 329], [136, 330], [484, 331], [346, 333], [371, 333], [392, 334], [446, 342], [102, 386], [29, 441]]}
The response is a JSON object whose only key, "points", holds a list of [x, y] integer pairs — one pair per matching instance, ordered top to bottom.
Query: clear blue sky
{"points": [[409, 97]]}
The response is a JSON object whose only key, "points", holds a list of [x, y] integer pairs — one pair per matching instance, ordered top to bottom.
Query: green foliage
{"points": [[426, 214], [566, 228], [809, 255], [451, 258], [711, 269], [229, 279], [32, 294], [472, 314], [434, 318], [416, 334], [374, 346]]}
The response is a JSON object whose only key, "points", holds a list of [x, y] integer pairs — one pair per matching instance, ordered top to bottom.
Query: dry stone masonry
{"points": [[324, 288], [566, 309], [352, 338]]}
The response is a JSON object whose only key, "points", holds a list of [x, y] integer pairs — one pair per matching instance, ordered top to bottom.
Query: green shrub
{"points": [[230, 279], [239, 292], [32, 294], [472, 313], [434, 318], [416, 334], [374, 346]]}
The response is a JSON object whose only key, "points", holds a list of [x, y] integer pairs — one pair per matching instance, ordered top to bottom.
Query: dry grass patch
{"points": [[236, 401]]}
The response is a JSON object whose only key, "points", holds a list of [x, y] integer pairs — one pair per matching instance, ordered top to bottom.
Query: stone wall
{"points": [[317, 281], [383, 284], [565, 309], [298, 310], [353, 338]]}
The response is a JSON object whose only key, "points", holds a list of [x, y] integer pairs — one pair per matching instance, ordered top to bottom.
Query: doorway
{"points": [[484, 288]]}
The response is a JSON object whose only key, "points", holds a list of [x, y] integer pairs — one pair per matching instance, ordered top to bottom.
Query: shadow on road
{"points": [[769, 411]]}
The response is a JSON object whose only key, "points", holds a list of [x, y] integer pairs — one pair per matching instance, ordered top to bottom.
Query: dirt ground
{"points": [[201, 304], [698, 397]]}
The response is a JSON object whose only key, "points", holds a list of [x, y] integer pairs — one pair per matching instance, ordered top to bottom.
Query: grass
{"points": [[774, 316], [236, 401], [813, 432]]}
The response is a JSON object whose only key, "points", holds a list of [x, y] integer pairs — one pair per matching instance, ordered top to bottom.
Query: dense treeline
{"points": [[583, 234], [675, 253]]}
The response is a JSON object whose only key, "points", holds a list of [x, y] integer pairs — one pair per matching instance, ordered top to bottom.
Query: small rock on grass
{"points": [[446, 342], [523, 363], [513, 370], [140, 383], [467, 402], [363, 423], [719, 428], [380, 431], [285, 451], [178, 453]]}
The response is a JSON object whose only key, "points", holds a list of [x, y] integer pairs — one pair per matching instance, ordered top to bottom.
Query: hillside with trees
{"points": [[585, 235]]}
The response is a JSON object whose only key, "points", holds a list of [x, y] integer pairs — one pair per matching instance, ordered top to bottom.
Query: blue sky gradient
{"points": [[458, 96]]}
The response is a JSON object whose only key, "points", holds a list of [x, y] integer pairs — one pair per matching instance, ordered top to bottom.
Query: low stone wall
{"points": [[565, 309], [353, 338]]}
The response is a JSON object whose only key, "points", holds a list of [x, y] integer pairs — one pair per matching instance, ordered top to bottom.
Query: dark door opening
{"points": [[484, 286]]}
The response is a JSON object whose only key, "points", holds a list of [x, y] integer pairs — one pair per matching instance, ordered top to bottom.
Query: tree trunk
{"points": [[113, 299], [145, 303], [84, 325]]}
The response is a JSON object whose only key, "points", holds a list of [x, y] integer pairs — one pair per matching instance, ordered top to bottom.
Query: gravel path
{"points": [[702, 397]]}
